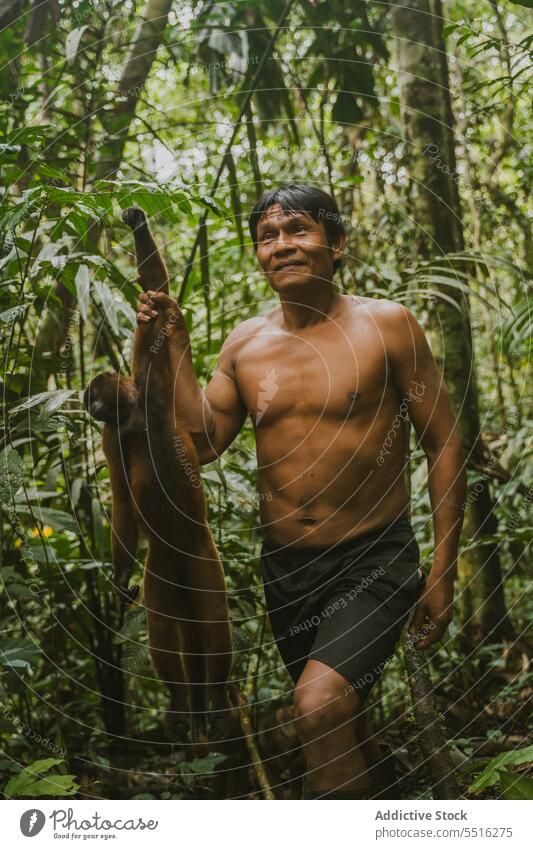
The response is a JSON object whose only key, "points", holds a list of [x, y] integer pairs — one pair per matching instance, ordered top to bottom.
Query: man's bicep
{"points": [[420, 383], [227, 408]]}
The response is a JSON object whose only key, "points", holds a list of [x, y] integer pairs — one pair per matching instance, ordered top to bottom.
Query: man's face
{"points": [[292, 249]]}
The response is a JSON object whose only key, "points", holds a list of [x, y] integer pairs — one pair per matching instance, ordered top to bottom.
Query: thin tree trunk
{"points": [[142, 53], [428, 125], [432, 736]]}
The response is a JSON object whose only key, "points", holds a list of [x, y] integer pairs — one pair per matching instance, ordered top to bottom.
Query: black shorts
{"points": [[344, 605]]}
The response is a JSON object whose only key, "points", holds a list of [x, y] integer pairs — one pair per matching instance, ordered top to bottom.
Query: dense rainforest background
{"points": [[416, 117]]}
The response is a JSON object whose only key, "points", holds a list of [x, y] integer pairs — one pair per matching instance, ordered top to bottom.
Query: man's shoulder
{"points": [[380, 307], [385, 314], [395, 324], [247, 328], [244, 332]]}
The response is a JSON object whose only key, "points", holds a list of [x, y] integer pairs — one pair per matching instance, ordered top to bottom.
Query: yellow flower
{"points": [[46, 532]]}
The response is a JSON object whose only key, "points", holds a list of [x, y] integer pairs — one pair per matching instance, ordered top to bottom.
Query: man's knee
{"points": [[321, 707]]}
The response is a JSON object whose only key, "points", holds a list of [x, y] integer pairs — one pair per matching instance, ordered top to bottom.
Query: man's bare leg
{"points": [[325, 714], [367, 740]]}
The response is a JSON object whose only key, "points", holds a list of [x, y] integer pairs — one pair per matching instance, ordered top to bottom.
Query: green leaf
{"points": [[527, 3], [449, 28], [26, 135], [46, 170], [11, 315], [518, 327], [51, 400], [11, 474], [58, 520], [18, 653], [202, 766], [490, 774], [29, 781], [516, 786]]}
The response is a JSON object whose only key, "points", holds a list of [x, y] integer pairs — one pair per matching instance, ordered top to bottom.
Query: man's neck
{"points": [[308, 306]]}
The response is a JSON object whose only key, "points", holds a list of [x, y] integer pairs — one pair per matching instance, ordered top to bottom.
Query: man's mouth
{"points": [[289, 264]]}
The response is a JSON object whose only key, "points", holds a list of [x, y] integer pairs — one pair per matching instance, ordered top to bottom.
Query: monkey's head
{"points": [[110, 398]]}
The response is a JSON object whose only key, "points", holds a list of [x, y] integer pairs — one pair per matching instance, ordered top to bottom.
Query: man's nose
{"points": [[283, 244]]}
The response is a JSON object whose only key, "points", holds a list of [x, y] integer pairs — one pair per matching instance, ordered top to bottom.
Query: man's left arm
{"points": [[421, 387]]}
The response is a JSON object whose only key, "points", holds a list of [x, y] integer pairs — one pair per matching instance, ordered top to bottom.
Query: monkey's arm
{"points": [[124, 530]]}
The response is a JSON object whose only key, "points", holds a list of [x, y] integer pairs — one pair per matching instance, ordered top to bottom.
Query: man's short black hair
{"points": [[298, 197]]}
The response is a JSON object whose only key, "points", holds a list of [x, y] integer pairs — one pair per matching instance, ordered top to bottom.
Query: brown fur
{"points": [[156, 485]]}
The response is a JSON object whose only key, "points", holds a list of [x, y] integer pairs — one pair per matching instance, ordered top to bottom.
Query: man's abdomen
{"points": [[333, 484]]}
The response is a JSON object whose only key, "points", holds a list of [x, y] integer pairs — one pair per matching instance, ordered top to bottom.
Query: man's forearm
{"points": [[190, 404], [447, 492]]}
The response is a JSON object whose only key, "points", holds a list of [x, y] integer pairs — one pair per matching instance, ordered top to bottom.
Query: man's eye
{"points": [[301, 228], [267, 236]]}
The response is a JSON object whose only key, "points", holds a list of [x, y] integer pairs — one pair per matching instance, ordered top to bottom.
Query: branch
{"points": [[253, 751]]}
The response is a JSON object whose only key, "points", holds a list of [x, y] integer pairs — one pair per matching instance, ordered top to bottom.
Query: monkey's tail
{"points": [[152, 270]]}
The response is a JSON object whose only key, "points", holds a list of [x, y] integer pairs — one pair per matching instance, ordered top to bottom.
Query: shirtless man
{"points": [[329, 380]]}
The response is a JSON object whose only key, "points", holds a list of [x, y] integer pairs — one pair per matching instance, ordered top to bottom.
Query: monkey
{"points": [[156, 487]]}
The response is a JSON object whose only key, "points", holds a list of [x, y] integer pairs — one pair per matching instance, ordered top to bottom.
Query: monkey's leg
{"points": [[211, 612], [163, 631], [195, 673], [223, 716]]}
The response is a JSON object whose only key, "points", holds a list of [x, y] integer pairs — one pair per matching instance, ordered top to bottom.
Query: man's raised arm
{"points": [[215, 415]]}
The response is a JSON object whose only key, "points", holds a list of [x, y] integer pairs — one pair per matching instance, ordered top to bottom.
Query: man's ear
{"points": [[338, 247]]}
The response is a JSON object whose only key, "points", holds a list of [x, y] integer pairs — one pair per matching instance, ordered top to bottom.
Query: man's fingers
{"points": [[161, 299], [146, 308], [145, 314], [419, 617], [436, 634]]}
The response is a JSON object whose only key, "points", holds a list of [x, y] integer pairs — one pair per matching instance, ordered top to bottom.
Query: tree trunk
{"points": [[118, 118], [428, 126], [431, 738]]}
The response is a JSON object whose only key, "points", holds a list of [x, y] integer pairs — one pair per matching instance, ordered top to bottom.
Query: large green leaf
{"points": [[518, 328], [51, 400], [59, 520], [17, 653], [491, 773], [29, 782]]}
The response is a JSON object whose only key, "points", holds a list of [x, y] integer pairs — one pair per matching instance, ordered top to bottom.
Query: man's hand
{"points": [[153, 304], [433, 613]]}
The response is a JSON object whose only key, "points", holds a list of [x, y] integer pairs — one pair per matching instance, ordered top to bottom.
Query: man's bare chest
{"points": [[333, 375]]}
